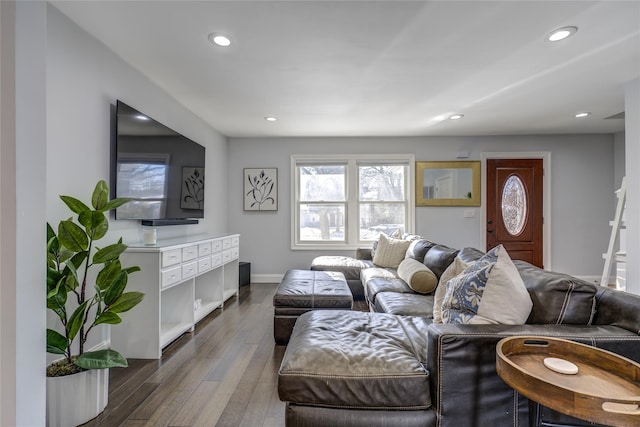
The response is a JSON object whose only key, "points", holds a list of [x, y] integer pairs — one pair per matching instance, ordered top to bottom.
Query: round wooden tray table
{"points": [[606, 389]]}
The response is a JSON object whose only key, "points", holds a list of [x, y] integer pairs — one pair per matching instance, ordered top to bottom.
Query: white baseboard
{"points": [[266, 278]]}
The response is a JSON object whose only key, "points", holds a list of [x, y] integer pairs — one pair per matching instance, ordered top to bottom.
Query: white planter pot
{"points": [[75, 399]]}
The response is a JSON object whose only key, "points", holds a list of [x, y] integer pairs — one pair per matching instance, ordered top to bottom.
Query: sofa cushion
{"points": [[418, 249], [390, 252], [470, 255], [438, 258], [348, 266], [455, 268], [417, 275], [375, 285], [487, 292], [558, 298], [404, 304], [349, 359]]}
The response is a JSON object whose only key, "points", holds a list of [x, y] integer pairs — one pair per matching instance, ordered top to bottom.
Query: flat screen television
{"points": [[161, 170]]}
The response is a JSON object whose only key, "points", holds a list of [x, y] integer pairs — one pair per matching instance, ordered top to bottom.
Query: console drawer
{"points": [[204, 249], [189, 253], [171, 257], [204, 264], [189, 269], [171, 276]]}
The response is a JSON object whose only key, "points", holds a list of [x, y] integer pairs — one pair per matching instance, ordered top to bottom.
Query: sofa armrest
{"points": [[364, 254], [461, 360]]}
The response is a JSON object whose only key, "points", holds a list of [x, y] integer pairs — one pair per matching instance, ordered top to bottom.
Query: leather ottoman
{"points": [[305, 290], [368, 367]]}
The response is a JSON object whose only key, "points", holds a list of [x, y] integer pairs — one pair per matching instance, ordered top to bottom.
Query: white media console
{"points": [[183, 280]]}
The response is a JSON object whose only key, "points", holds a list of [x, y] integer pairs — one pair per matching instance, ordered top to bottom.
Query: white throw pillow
{"points": [[390, 252], [455, 268], [417, 275], [488, 293]]}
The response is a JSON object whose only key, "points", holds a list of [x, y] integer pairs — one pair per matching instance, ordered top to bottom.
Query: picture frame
{"points": [[448, 183], [260, 189], [192, 193]]}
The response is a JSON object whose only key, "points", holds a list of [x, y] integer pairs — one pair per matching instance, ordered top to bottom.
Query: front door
{"points": [[514, 207]]}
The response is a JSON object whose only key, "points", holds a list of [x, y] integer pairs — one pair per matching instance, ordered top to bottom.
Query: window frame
{"points": [[352, 196]]}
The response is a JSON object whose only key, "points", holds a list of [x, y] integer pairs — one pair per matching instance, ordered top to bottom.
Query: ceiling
{"points": [[380, 68]]}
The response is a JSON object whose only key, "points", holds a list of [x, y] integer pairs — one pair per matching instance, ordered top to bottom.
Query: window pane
{"points": [[381, 182], [322, 183], [514, 205], [376, 218], [320, 222]]}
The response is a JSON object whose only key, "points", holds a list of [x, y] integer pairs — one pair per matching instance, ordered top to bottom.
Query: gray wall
{"points": [[84, 80], [582, 198]]}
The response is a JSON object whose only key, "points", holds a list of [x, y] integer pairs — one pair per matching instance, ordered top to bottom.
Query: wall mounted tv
{"points": [[159, 169]]}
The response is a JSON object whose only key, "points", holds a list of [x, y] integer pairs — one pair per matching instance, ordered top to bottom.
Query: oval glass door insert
{"points": [[514, 205]]}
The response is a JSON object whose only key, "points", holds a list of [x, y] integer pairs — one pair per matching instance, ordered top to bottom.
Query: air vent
{"points": [[619, 116]]}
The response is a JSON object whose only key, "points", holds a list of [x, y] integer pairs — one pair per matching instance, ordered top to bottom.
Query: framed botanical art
{"points": [[260, 189], [192, 195]]}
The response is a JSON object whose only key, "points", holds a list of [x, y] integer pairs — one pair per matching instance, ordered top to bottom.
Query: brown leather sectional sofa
{"points": [[394, 367]]}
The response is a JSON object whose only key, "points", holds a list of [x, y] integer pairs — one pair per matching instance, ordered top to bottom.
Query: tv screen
{"points": [[159, 169]]}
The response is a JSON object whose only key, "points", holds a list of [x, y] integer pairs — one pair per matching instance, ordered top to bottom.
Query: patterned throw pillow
{"points": [[390, 252], [455, 268], [417, 275], [490, 291]]}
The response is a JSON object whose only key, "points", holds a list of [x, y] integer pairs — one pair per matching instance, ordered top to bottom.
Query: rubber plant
{"points": [[71, 255]]}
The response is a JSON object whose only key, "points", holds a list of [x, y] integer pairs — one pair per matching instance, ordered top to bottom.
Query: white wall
{"points": [[83, 81], [632, 148], [30, 158], [618, 158], [582, 170], [8, 313]]}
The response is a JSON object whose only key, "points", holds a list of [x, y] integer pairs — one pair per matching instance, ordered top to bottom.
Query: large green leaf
{"points": [[100, 196], [115, 203], [74, 204], [91, 220], [101, 230], [72, 236], [52, 241], [108, 253], [133, 269], [108, 274], [70, 276], [54, 281], [116, 288], [126, 302], [109, 318], [76, 320], [56, 342], [101, 359]]}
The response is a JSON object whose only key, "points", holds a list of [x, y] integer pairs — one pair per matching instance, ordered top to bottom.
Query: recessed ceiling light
{"points": [[561, 34], [219, 39], [583, 114], [456, 116], [270, 119]]}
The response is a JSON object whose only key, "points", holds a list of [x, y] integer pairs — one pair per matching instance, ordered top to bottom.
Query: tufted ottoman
{"points": [[306, 290], [356, 368]]}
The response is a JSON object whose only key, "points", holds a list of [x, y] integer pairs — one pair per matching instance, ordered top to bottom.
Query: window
{"points": [[346, 202]]}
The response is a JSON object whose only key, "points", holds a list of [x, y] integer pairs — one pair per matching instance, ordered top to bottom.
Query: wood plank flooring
{"points": [[225, 373], [222, 374]]}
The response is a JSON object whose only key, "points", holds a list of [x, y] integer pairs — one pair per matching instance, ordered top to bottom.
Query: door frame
{"points": [[546, 195]]}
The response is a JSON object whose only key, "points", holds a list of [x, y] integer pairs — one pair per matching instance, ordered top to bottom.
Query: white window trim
{"points": [[352, 188]]}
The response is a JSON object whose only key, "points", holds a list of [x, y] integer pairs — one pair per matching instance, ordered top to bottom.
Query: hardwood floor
{"points": [[222, 374]]}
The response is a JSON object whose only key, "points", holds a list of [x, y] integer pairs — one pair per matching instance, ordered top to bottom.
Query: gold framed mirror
{"points": [[455, 183]]}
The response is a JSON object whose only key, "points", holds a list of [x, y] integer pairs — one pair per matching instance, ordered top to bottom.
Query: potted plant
{"points": [[83, 299]]}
